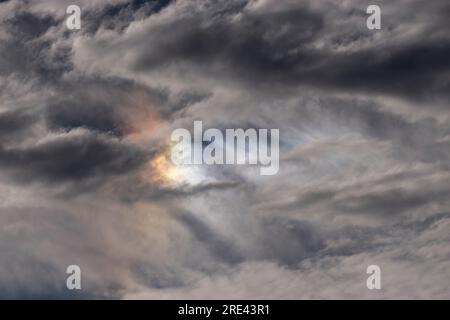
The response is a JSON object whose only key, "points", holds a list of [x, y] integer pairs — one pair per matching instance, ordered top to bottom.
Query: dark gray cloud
{"points": [[118, 16], [279, 48], [26, 53], [15, 123], [72, 157]]}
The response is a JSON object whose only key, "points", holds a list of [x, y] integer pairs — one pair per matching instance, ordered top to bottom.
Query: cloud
{"points": [[86, 115], [77, 155]]}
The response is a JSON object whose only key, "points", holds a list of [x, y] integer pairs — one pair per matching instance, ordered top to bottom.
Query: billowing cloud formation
{"points": [[85, 118]]}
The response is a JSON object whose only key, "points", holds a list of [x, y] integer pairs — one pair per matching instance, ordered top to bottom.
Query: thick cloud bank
{"points": [[85, 118]]}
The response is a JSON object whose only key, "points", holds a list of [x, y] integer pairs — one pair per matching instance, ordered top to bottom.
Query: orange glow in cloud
{"points": [[161, 170]]}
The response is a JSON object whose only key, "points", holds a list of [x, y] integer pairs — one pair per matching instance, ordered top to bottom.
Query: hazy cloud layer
{"points": [[85, 118]]}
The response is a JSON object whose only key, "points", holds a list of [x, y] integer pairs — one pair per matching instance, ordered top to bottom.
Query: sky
{"points": [[85, 123]]}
